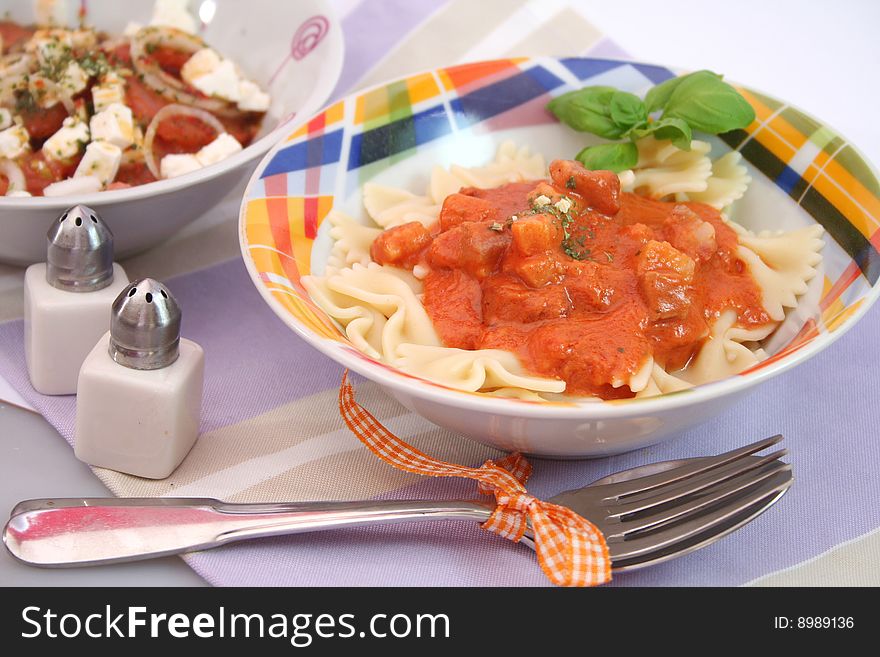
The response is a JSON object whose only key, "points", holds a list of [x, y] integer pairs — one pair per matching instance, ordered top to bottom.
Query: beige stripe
{"points": [[453, 30], [567, 33], [272, 432], [358, 475], [854, 563]]}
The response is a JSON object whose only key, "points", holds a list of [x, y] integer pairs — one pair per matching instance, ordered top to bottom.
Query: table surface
{"points": [[812, 58]]}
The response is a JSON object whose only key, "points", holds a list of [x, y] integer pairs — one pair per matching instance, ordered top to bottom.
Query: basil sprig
{"points": [[697, 101]]}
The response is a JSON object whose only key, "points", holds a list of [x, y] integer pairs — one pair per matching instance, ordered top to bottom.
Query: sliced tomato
{"points": [[14, 36], [120, 56], [169, 59], [143, 101], [43, 123], [185, 134], [40, 171], [131, 175], [4, 185]]}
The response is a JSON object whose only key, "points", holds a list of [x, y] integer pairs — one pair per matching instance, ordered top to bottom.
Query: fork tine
{"points": [[643, 484], [691, 485], [712, 496], [700, 540], [649, 542]]}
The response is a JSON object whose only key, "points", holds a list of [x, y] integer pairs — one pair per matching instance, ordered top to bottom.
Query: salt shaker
{"points": [[67, 299], [140, 388]]}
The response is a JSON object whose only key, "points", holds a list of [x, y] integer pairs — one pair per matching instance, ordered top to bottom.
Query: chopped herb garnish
{"points": [[25, 103], [570, 184], [621, 349]]}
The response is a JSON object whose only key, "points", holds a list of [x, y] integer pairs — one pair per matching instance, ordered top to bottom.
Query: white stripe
{"points": [[519, 25], [270, 248], [236, 478], [757, 581]]}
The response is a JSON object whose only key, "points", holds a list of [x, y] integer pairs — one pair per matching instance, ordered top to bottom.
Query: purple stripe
{"points": [[373, 30], [606, 48], [254, 363], [829, 430]]}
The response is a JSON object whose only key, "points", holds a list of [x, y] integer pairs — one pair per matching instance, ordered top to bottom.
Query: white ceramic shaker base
{"points": [[61, 327], [141, 422]]}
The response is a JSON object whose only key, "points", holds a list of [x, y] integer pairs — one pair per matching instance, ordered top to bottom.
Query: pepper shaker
{"points": [[67, 299], [140, 388]]}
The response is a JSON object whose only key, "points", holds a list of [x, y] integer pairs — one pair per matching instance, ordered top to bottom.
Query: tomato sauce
{"points": [[582, 282]]}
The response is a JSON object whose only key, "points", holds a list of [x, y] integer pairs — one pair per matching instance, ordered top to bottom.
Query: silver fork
{"points": [[648, 514]]}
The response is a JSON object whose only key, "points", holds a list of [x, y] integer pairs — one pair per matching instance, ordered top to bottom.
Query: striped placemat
{"points": [[271, 430]]}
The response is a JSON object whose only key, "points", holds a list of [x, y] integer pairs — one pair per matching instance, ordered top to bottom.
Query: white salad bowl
{"points": [[294, 50], [802, 173]]}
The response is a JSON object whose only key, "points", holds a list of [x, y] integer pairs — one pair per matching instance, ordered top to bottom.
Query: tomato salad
{"points": [[83, 111]]}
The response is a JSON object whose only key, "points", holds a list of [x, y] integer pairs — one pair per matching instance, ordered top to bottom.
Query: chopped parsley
{"points": [[25, 103], [570, 183], [542, 204]]}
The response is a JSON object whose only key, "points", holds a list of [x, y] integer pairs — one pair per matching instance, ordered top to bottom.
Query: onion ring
{"points": [[165, 84], [54, 90], [164, 113], [14, 175]]}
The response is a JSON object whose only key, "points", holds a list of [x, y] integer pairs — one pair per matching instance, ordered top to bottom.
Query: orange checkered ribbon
{"points": [[571, 550]]}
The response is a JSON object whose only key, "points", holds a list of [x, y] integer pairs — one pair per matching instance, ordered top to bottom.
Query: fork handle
{"points": [[57, 533]]}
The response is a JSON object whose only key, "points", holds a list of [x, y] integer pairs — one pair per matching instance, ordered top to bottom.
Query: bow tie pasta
{"points": [[505, 280]]}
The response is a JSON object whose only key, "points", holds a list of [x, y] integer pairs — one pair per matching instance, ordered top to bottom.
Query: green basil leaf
{"points": [[658, 96], [707, 103], [588, 110], [627, 110], [674, 130], [610, 157]]}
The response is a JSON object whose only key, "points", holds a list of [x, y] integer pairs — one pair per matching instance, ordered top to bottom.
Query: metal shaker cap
{"points": [[79, 257], [145, 326]]}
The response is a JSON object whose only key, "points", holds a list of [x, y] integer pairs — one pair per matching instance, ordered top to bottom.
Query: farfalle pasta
{"points": [[507, 281]]}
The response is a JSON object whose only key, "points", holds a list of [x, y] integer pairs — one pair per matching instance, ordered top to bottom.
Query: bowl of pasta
{"points": [[150, 111], [566, 257]]}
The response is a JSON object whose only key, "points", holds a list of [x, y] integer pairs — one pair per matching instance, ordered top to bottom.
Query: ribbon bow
{"points": [[571, 550]]}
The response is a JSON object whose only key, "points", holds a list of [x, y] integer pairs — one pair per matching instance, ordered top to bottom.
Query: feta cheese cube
{"points": [[50, 12], [174, 13], [132, 28], [50, 45], [203, 62], [74, 79], [222, 82], [111, 90], [252, 98], [5, 118], [115, 125], [14, 141], [66, 143], [218, 150], [101, 161], [178, 165], [71, 186], [18, 193], [542, 201], [563, 205]]}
